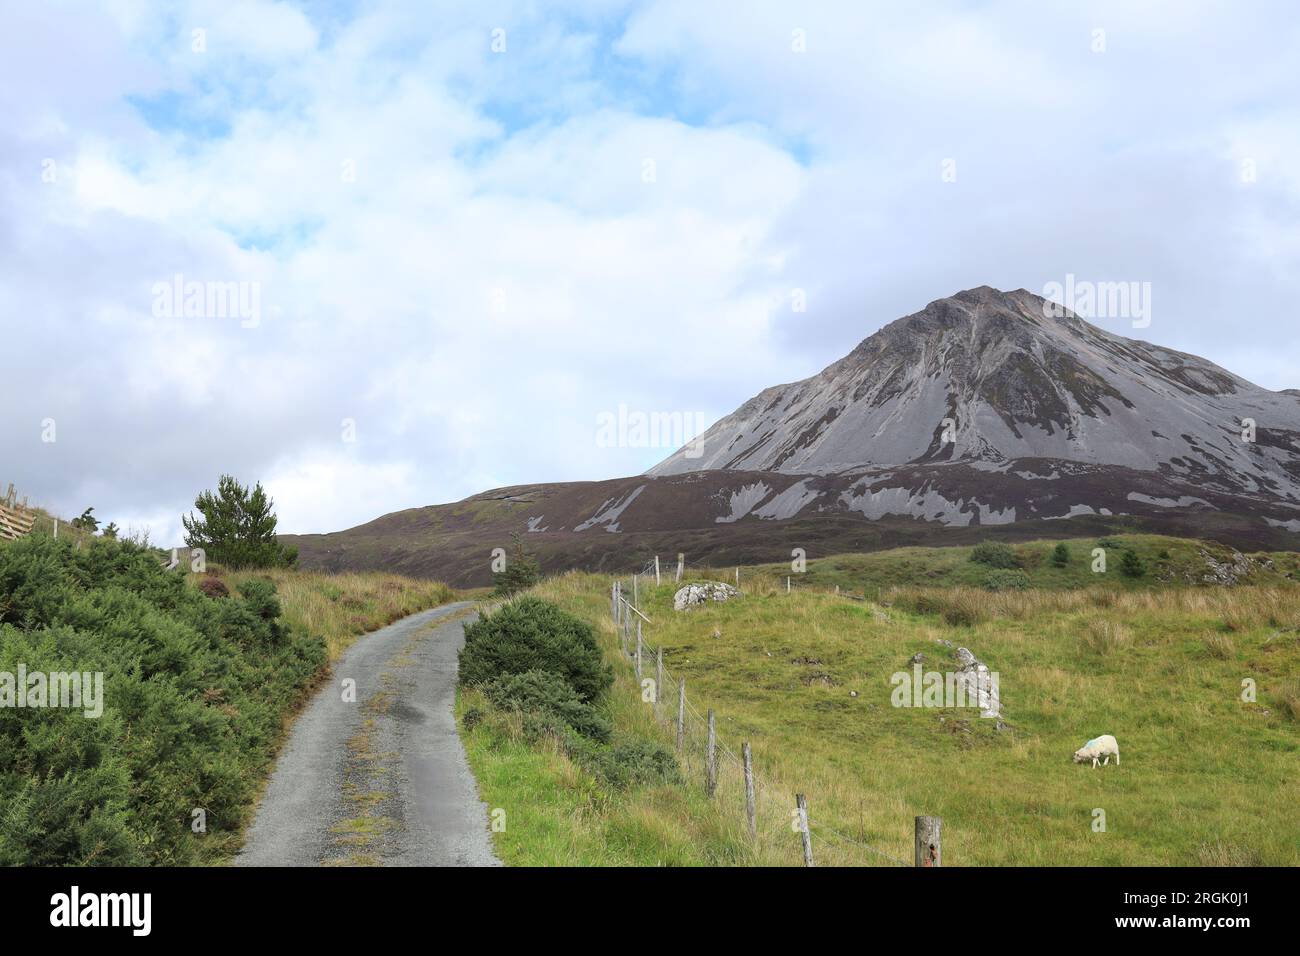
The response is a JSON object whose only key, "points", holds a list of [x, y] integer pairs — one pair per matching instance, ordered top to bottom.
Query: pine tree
{"points": [[87, 521], [237, 527], [110, 530], [1061, 555], [1131, 565], [521, 571]]}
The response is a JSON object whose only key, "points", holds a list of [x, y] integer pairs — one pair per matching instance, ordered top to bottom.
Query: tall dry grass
{"points": [[342, 607]]}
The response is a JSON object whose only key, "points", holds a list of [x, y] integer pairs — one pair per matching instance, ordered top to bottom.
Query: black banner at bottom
{"points": [[220, 905]]}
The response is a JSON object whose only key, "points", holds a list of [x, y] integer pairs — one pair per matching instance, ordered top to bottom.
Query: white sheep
{"points": [[1103, 746]]}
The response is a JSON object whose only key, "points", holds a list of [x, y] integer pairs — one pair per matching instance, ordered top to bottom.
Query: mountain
{"points": [[1012, 382], [980, 416]]}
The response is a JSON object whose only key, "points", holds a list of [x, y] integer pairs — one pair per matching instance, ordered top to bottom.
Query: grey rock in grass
{"points": [[701, 593], [975, 675]]}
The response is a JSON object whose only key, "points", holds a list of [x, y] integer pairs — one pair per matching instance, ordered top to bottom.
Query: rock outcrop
{"points": [[702, 593]]}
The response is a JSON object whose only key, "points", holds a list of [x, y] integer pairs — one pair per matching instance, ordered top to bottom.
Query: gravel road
{"points": [[381, 779]]}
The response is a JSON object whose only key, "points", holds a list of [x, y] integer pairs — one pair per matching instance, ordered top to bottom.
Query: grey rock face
{"points": [[990, 377], [702, 593]]}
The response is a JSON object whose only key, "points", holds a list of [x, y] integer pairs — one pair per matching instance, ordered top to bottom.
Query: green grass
{"points": [[1171, 562], [1206, 778], [556, 814]]}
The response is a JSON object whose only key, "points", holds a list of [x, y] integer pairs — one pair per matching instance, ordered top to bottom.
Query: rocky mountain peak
{"points": [[989, 376]]}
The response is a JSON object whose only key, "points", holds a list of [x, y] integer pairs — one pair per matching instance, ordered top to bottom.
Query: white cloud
{"points": [[499, 271]]}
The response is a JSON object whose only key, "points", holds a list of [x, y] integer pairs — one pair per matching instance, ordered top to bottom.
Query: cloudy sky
{"points": [[463, 232]]}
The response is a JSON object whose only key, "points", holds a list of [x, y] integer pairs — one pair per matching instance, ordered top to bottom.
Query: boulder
{"points": [[701, 593], [975, 675]]}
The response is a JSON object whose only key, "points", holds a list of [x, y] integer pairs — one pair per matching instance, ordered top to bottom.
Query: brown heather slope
{"points": [[620, 524]]}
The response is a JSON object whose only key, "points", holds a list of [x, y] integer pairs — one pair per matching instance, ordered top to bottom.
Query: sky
{"points": [[427, 249]]}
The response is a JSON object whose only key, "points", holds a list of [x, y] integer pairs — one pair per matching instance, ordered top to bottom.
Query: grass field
{"points": [[1171, 562], [1206, 778]]}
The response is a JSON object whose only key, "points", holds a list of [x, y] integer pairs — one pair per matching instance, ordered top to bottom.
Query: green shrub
{"points": [[995, 554], [1061, 555], [1130, 565], [1004, 580], [530, 634], [544, 692], [194, 696], [629, 762]]}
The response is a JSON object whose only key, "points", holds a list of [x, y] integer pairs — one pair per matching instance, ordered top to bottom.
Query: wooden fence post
{"points": [[681, 566], [656, 570], [787, 584], [636, 601], [622, 639], [638, 651], [659, 679], [681, 713], [748, 757], [711, 760], [801, 804], [929, 851]]}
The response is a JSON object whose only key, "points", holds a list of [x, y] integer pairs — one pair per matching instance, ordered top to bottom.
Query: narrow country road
{"points": [[381, 779]]}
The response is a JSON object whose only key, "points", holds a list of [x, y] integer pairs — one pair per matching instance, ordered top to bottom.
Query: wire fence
{"points": [[703, 753]]}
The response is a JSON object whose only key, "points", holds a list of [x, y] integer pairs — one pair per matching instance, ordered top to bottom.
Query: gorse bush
{"points": [[994, 554], [1006, 580], [529, 634], [543, 668], [545, 692], [194, 694], [629, 762]]}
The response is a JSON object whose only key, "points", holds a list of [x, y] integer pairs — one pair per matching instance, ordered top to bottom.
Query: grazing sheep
{"points": [[1103, 746]]}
